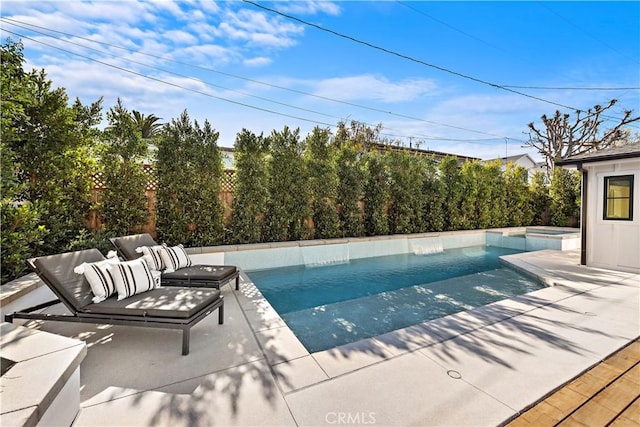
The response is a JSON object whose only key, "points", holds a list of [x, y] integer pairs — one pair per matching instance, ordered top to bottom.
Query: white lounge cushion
{"points": [[133, 277]]}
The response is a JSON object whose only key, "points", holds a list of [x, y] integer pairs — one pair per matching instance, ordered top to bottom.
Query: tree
{"points": [[148, 125], [561, 138], [50, 142], [320, 161], [189, 170], [350, 186], [405, 192], [250, 193], [452, 193], [376, 195], [565, 197], [540, 200], [476, 201], [124, 204], [288, 206], [519, 211], [433, 216]]}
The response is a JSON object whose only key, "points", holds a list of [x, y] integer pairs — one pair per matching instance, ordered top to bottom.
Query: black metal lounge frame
{"points": [[213, 276], [167, 308]]}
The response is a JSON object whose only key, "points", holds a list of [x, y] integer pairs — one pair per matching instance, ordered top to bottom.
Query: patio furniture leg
{"points": [[238, 283], [221, 315], [186, 332]]}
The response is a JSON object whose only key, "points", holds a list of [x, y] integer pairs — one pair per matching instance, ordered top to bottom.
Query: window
{"points": [[618, 197]]}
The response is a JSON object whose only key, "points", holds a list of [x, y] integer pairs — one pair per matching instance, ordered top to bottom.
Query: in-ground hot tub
{"points": [[535, 238]]}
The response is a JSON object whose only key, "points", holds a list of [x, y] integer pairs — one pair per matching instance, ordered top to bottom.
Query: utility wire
{"points": [[421, 12], [28, 27], [613, 49], [407, 57], [170, 83], [573, 88], [255, 96], [423, 137]]}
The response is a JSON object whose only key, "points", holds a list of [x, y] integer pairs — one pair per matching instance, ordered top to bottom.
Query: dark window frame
{"points": [[607, 198]]}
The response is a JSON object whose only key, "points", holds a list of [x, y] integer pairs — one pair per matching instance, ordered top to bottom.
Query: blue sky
{"points": [[243, 66]]}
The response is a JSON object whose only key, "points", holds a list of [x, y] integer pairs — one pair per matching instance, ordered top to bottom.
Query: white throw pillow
{"points": [[152, 255], [174, 258], [98, 274], [132, 277]]}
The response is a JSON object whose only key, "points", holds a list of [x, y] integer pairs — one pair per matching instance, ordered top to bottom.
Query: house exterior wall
{"points": [[612, 244]]}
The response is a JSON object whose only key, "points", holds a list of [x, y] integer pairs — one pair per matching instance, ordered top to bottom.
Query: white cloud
{"points": [[309, 7], [255, 27], [180, 37], [257, 61], [374, 88]]}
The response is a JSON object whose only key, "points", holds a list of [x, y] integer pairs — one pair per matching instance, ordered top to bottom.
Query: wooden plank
{"points": [[625, 358], [633, 374], [594, 380], [617, 396], [566, 401], [542, 414], [591, 414], [630, 417]]}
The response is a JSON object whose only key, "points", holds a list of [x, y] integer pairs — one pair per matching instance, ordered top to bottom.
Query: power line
{"points": [[421, 12], [13, 22], [613, 49], [407, 57], [171, 84], [573, 88], [431, 138]]}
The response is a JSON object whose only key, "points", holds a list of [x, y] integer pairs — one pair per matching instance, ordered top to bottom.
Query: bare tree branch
{"points": [[560, 138]]}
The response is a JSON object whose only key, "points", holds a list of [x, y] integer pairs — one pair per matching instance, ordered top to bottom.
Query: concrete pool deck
{"points": [[479, 367]]}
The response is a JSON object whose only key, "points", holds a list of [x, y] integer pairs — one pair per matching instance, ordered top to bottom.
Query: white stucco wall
{"points": [[612, 244]]}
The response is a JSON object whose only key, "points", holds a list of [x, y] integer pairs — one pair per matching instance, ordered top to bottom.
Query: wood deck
{"points": [[606, 395]]}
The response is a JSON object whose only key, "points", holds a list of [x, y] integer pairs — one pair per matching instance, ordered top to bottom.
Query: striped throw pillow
{"points": [[152, 255], [174, 258], [98, 274], [132, 277]]}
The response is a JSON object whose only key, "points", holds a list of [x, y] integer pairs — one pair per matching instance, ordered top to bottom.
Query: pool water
{"points": [[337, 304]]}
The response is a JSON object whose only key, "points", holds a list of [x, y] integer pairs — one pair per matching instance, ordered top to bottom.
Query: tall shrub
{"points": [[50, 140], [320, 161], [189, 170], [494, 178], [350, 186], [405, 192], [250, 193], [452, 193], [376, 195], [433, 197], [565, 197], [540, 199], [123, 204], [288, 205], [475, 205], [519, 211], [21, 231]]}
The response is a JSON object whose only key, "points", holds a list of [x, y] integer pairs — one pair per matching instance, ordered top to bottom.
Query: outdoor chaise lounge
{"points": [[194, 275], [170, 308]]}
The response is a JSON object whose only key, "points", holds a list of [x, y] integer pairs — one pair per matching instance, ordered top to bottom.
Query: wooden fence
{"points": [[227, 185]]}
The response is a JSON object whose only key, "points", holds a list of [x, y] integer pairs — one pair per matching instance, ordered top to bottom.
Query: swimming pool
{"points": [[331, 305]]}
